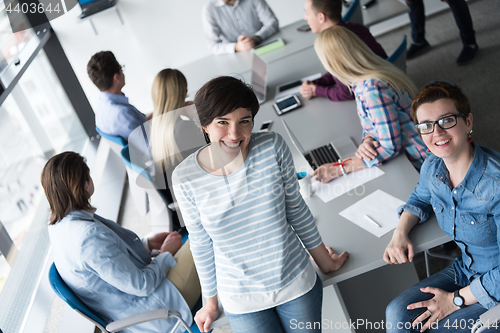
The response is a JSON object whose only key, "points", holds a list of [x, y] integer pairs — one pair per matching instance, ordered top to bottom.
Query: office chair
{"points": [[353, 14], [398, 57], [115, 142], [140, 197], [158, 205], [448, 251], [66, 294], [487, 319]]}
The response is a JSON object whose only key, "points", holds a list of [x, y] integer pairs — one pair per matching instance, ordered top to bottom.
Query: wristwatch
{"points": [[257, 39], [458, 300]]}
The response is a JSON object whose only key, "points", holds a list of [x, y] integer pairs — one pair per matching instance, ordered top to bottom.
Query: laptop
{"points": [[90, 7], [259, 78], [293, 87], [339, 149]]}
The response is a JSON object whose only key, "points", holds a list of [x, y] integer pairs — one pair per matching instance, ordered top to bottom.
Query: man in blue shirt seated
{"points": [[237, 25], [113, 114]]}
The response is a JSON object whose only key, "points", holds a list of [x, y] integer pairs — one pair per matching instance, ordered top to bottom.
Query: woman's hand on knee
{"points": [[438, 307], [206, 316]]}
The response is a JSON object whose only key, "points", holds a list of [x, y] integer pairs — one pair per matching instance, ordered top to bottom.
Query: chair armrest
{"points": [[491, 316], [138, 319], [487, 319]]}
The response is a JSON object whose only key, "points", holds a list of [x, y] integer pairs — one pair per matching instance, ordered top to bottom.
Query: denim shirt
{"points": [[470, 214], [110, 270]]}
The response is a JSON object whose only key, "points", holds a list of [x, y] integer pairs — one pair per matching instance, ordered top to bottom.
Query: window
{"points": [[36, 121]]}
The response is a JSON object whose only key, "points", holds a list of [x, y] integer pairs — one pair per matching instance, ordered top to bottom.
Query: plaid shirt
{"points": [[385, 116]]}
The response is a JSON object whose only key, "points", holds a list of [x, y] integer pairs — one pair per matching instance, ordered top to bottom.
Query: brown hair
{"points": [[331, 8], [101, 68], [437, 90], [223, 95], [63, 180]]}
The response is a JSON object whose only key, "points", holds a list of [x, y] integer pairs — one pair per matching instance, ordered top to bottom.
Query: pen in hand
{"points": [[372, 221]]}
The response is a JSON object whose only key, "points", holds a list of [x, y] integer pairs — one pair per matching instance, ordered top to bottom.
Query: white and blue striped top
{"points": [[239, 226]]}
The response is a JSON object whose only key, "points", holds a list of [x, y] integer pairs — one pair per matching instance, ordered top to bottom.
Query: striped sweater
{"points": [[244, 248]]}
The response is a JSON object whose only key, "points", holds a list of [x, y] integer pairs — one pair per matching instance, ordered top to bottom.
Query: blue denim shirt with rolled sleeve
{"points": [[470, 214]]}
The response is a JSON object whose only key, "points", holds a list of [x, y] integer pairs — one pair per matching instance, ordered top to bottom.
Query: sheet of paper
{"points": [[344, 184], [379, 206]]}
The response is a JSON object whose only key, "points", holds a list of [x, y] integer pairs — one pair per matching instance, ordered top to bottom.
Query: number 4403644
{"points": [[32, 8]]}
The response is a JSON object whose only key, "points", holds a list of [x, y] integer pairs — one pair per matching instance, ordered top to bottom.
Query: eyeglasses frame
{"points": [[434, 123]]}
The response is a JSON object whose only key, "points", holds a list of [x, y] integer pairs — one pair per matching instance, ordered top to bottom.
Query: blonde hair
{"points": [[350, 60], [169, 94]]}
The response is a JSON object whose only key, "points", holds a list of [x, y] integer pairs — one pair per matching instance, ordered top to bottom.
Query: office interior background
{"points": [[46, 107]]}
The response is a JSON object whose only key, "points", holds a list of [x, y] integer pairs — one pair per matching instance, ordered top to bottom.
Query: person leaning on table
{"points": [[321, 15], [237, 25], [383, 99], [459, 181], [109, 267]]}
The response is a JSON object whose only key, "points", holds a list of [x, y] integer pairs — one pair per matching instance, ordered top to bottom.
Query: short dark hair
{"points": [[331, 8], [101, 68], [437, 90], [223, 95], [63, 180]]}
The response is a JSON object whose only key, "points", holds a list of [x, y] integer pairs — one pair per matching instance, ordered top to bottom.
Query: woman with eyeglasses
{"points": [[383, 99], [459, 181]]}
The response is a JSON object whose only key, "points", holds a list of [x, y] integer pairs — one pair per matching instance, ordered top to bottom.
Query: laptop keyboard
{"points": [[322, 155]]}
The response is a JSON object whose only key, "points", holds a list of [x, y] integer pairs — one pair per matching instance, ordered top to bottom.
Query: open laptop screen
{"points": [[259, 76]]}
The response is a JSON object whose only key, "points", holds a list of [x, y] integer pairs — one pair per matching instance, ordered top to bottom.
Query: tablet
{"points": [[286, 104]]}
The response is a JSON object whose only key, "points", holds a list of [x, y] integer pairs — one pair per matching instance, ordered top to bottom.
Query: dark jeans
{"points": [[460, 12], [399, 319]]}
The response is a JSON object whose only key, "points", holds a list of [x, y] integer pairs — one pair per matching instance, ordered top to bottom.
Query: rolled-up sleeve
{"points": [[380, 109], [419, 202], [486, 287]]}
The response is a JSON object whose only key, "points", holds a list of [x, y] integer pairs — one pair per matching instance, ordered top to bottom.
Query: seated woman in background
{"points": [[383, 97], [174, 133], [459, 181], [240, 200], [108, 267]]}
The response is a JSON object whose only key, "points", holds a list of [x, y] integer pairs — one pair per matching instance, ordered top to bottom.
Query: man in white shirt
{"points": [[237, 25]]}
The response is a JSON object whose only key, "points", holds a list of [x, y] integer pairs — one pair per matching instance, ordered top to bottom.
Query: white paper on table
{"points": [[344, 184], [380, 206]]}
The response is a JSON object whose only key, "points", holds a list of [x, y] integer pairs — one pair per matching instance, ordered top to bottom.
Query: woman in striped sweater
{"points": [[240, 200]]}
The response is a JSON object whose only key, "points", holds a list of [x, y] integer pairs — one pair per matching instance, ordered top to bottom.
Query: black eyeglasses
{"points": [[446, 122]]}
